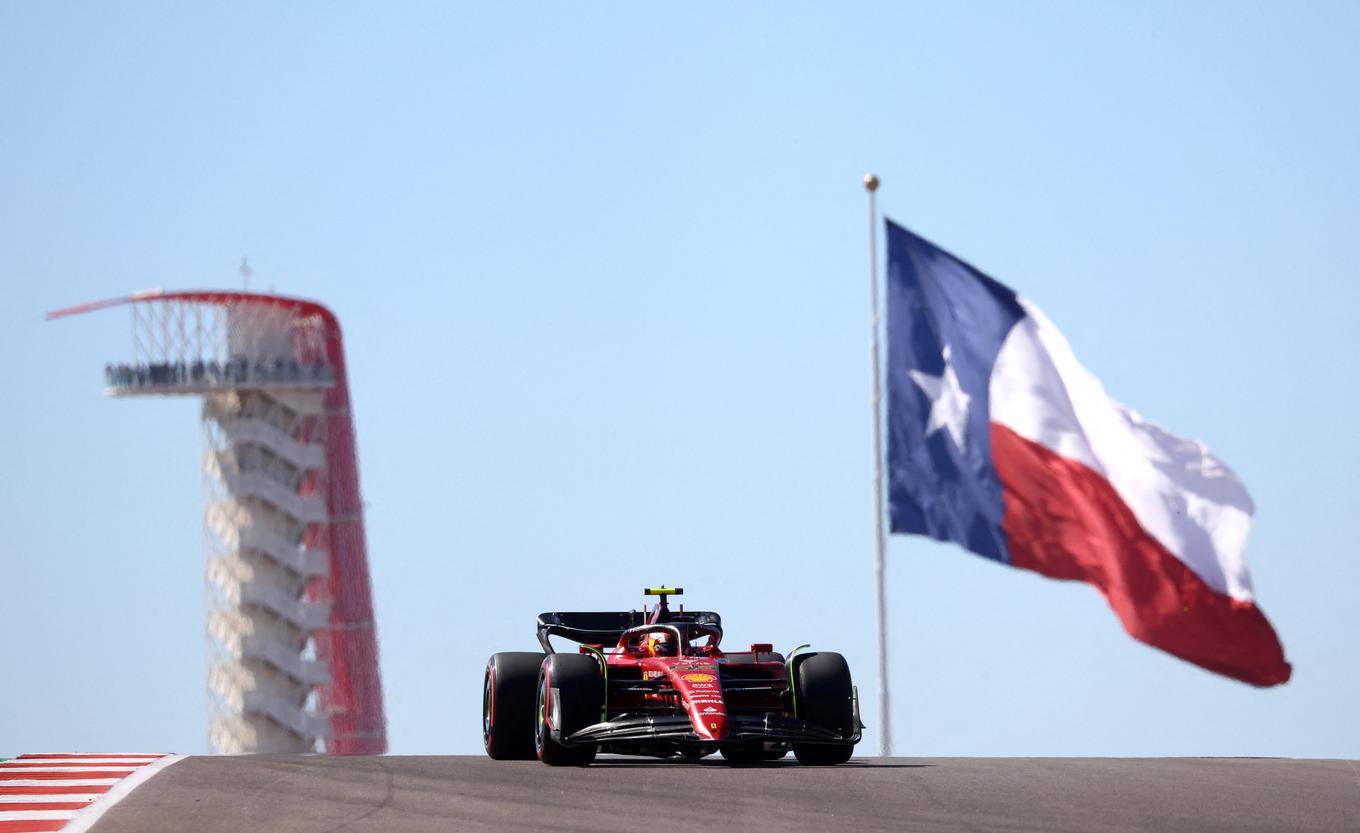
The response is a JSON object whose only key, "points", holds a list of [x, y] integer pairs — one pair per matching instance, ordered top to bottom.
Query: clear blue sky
{"points": [[603, 277]]}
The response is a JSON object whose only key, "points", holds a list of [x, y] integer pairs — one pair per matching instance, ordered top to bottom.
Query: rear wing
{"points": [[607, 628]]}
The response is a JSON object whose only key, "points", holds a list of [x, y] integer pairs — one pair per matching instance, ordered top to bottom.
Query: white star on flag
{"points": [[948, 402]]}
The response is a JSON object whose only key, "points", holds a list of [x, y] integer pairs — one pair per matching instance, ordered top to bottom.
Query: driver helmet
{"points": [[660, 645]]}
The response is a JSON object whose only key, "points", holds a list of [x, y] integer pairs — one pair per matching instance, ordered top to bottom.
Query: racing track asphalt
{"points": [[293, 794]]}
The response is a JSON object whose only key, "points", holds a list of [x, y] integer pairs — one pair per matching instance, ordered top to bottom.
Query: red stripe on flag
{"points": [[1065, 521], [73, 756], [119, 765], [85, 774], [86, 789], [42, 805], [27, 826]]}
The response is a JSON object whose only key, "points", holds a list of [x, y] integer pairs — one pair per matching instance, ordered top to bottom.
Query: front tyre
{"points": [[825, 697], [570, 698], [508, 704]]}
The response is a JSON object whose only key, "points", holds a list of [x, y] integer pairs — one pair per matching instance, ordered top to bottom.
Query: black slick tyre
{"points": [[824, 691], [570, 696], [508, 704]]}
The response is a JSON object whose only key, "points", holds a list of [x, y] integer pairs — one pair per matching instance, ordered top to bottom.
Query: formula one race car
{"points": [[656, 683]]}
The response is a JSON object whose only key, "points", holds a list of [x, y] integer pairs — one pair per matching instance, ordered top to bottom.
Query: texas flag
{"points": [[999, 440]]}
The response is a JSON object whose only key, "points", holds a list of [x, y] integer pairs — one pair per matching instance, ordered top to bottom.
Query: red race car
{"points": [[656, 683]]}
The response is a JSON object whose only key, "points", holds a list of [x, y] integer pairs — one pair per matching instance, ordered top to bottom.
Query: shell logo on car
{"points": [[698, 678]]}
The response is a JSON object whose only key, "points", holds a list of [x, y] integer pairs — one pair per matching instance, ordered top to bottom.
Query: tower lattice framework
{"points": [[293, 661]]}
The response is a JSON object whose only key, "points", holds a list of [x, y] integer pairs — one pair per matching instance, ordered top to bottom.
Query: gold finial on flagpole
{"points": [[870, 182]]}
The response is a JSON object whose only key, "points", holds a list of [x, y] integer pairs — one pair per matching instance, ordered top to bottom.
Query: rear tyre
{"points": [[579, 686], [824, 690], [508, 704]]}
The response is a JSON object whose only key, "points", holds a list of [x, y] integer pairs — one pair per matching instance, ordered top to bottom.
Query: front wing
{"points": [[741, 729]]}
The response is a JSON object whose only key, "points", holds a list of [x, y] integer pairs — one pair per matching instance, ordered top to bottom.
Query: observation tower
{"points": [[294, 650]]}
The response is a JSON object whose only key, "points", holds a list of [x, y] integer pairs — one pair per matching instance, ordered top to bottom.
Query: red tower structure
{"points": [[288, 566]]}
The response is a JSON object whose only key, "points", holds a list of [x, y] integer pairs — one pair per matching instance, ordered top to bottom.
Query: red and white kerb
{"points": [[69, 792]]}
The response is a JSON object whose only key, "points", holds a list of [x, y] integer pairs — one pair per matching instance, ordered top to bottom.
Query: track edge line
{"points": [[86, 818]]}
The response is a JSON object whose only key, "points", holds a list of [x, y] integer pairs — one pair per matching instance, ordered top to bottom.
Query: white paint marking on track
{"points": [[46, 756], [113, 759], [83, 770], [64, 782], [43, 799], [37, 815], [87, 817]]}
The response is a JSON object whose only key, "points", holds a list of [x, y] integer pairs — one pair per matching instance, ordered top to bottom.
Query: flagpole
{"points": [[885, 747]]}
